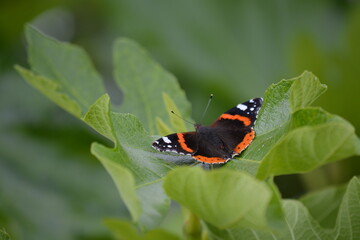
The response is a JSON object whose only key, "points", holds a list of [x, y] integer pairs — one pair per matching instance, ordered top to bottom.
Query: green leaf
{"points": [[67, 65], [64, 73], [144, 83], [52, 90], [305, 91], [280, 101], [99, 118], [177, 123], [162, 128], [291, 136], [324, 139], [128, 164], [243, 164], [134, 167], [123, 179], [222, 197], [145, 198], [324, 205], [275, 211], [347, 223], [300, 224], [124, 230], [160, 234], [237, 234]]}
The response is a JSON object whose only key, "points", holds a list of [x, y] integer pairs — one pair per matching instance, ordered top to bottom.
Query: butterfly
{"points": [[229, 135]]}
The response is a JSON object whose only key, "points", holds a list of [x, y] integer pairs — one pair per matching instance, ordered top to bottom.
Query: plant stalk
{"points": [[192, 228]]}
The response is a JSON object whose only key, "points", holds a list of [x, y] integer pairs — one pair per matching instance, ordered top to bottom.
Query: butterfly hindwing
{"points": [[237, 139], [222, 144]]}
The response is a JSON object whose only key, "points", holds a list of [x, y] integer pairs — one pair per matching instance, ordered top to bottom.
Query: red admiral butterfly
{"points": [[225, 138]]}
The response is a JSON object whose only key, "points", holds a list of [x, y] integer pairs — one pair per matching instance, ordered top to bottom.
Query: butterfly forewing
{"points": [[242, 115], [182, 143]]}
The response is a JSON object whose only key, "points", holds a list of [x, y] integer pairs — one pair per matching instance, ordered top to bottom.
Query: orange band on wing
{"points": [[245, 120], [245, 142], [182, 143], [210, 160]]}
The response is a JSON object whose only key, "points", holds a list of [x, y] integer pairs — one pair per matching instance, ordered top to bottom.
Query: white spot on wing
{"points": [[251, 100], [242, 107], [252, 109], [166, 139]]}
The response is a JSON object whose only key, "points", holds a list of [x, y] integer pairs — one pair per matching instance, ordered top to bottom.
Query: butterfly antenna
{"points": [[207, 106], [182, 118], [195, 163]]}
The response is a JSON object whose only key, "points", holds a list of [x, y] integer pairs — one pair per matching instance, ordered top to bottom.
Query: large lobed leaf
{"points": [[60, 71], [64, 73], [144, 82], [291, 136], [135, 169], [223, 198], [343, 202], [324, 205], [348, 220], [300, 224]]}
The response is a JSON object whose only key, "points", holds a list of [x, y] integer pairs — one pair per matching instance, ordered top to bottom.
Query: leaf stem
{"points": [[192, 228]]}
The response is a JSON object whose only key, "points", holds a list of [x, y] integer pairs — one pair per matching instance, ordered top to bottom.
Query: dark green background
{"points": [[50, 185]]}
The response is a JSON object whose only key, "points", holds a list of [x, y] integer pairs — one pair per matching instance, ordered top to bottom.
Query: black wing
{"points": [[242, 115], [182, 143]]}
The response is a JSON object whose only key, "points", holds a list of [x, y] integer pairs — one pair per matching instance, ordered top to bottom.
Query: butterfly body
{"points": [[225, 138]]}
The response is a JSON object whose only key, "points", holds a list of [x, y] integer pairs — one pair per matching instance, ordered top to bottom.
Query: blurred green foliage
{"points": [[50, 185]]}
